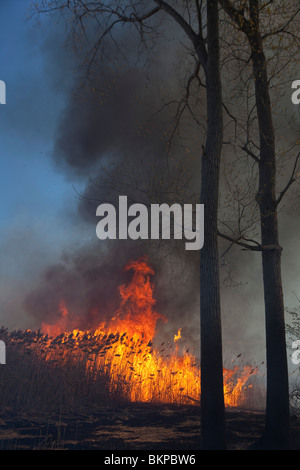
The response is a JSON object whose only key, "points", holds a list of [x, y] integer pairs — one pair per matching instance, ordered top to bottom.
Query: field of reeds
{"points": [[79, 368], [71, 370], [41, 377], [68, 393], [52, 398]]}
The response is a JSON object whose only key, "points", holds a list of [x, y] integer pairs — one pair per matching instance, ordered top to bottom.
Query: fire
{"points": [[136, 314], [62, 325], [178, 336], [124, 349], [235, 383]]}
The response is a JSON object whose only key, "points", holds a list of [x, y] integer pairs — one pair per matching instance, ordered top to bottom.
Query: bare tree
{"points": [[253, 19], [99, 22]]}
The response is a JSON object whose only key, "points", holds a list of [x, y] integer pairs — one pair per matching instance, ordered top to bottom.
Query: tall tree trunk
{"points": [[212, 395], [277, 407], [277, 430]]}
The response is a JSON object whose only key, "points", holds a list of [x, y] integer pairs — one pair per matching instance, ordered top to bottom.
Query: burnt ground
{"points": [[127, 427]]}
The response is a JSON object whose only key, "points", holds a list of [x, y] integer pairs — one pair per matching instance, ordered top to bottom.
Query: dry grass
{"points": [[93, 366], [71, 371], [29, 382]]}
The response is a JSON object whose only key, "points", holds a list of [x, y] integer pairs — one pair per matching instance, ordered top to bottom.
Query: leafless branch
{"points": [[282, 29], [196, 39], [250, 153], [290, 181], [247, 246]]}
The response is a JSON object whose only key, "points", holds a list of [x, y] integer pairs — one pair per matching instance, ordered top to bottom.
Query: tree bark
{"points": [[212, 394], [212, 399], [277, 406], [277, 425]]}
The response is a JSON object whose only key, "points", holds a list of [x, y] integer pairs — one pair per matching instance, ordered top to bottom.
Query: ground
{"points": [[127, 427]]}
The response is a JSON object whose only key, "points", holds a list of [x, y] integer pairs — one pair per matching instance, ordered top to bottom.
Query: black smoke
{"points": [[113, 138]]}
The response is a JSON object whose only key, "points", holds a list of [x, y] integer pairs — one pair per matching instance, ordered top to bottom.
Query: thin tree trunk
{"points": [[212, 395], [212, 399], [277, 407], [277, 426]]}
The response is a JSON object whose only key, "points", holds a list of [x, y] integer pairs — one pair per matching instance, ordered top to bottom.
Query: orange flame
{"points": [[136, 315], [63, 324], [178, 336], [123, 348]]}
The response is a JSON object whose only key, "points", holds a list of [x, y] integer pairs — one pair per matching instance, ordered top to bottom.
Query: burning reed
{"points": [[117, 361]]}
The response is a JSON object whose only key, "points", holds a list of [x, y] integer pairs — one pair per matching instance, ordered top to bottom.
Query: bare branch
{"points": [[237, 16], [283, 29], [196, 39], [249, 152], [290, 181], [246, 246]]}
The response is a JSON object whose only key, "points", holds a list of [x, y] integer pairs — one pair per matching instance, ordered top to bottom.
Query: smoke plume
{"points": [[111, 140]]}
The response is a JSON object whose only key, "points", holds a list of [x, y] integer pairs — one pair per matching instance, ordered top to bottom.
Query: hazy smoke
{"points": [[111, 140]]}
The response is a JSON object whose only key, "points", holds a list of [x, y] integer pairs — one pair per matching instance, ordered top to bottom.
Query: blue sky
{"points": [[28, 182], [35, 199]]}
